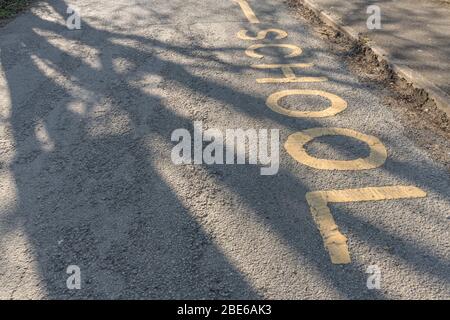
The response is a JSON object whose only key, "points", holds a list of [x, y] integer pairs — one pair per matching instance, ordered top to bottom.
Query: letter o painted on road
{"points": [[337, 104], [295, 146]]}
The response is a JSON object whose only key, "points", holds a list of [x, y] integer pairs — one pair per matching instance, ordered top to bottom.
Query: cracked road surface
{"points": [[86, 176]]}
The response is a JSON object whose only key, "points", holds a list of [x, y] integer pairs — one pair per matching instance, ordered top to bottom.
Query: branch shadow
{"points": [[93, 197]]}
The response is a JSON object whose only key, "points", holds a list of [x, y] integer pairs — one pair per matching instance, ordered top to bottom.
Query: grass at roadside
{"points": [[9, 8]]}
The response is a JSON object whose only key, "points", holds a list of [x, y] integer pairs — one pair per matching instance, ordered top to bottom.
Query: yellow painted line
{"points": [[249, 14], [281, 34], [251, 51], [282, 65], [288, 72], [291, 80], [337, 104], [295, 146], [334, 241]]}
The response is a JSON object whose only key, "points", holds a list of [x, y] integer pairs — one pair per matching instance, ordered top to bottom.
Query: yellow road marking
{"points": [[249, 14], [281, 34], [251, 51], [288, 72], [337, 104], [295, 146], [334, 241]]}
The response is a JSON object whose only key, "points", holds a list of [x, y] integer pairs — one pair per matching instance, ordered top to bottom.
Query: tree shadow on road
{"points": [[87, 111]]}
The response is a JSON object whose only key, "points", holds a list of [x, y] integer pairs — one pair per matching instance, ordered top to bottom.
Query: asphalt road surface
{"points": [[87, 179]]}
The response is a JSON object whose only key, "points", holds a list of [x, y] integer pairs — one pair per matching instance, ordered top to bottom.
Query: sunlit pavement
{"points": [[87, 177]]}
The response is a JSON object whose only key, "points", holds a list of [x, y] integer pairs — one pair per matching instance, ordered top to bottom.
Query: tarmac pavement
{"points": [[87, 179]]}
